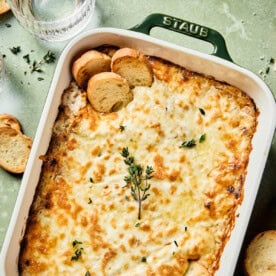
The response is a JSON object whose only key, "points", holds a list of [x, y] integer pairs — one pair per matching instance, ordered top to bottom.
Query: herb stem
{"points": [[139, 204]]}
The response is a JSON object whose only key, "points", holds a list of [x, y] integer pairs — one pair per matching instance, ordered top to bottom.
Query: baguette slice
{"points": [[4, 7], [90, 63], [133, 66], [108, 92], [10, 121], [14, 150], [260, 258]]}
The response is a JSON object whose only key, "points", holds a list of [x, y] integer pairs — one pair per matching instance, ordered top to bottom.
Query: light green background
{"points": [[248, 26]]}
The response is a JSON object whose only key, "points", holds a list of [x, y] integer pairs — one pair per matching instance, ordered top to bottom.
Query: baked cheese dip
{"points": [[151, 189]]}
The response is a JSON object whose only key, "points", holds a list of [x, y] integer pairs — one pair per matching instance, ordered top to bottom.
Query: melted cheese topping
{"points": [[83, 220]]}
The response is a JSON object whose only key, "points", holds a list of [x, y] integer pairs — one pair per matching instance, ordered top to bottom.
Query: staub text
{"points": [[184, 26]]}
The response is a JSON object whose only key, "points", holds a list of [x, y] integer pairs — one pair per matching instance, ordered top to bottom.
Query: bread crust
{"points": [[4, 7], [123, 52], [125, 57], [90, 63], [106, 90], [10, 121], [14, 150], [260, 258]]}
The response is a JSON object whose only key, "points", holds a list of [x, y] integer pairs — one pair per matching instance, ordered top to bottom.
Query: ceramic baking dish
{"points": [[214, 65]]}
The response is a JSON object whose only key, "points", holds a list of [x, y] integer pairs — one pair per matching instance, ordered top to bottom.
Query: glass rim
{"points": [[35, 21]]}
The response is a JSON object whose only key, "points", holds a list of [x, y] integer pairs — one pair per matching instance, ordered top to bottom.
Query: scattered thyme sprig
{"points": [[37, 66], [137, 180], [78, 250]]}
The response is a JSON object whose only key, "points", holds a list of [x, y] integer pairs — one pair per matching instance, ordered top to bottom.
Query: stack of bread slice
{"points": [[109, 78], [14, 145]]}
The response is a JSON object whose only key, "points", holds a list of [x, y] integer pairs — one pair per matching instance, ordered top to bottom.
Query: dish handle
{"points": [[187, 28]]}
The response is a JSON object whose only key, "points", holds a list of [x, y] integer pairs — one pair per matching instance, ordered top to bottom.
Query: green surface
{"points": [[249, 28]]}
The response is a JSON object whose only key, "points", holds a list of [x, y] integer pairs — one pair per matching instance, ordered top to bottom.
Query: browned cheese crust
{"points": [[83, 218]]}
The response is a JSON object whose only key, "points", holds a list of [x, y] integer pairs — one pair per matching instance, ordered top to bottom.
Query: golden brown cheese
{"points": [[83, 220]]}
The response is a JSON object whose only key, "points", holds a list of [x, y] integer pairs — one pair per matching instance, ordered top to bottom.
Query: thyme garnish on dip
{"points": [[202, 111], [122, 128], [202, 138], [191, 143], [188, 144], [137, 180], [78, 250]]}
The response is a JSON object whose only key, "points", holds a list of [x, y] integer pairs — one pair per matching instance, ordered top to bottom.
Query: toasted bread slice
{"points": [[4, 7], [90, 63], [133, 66], [108, 92], [10, 121], [14, 150], [260, 258]]}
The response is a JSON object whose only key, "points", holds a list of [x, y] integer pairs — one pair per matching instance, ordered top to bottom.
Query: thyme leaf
{"points": [[15, 50], [49, 57], [27, 58], [36, 67], [202, 111], [122, 128], [202, 138], [188, 144], [75, 242], [77, 255], [144, 259]]}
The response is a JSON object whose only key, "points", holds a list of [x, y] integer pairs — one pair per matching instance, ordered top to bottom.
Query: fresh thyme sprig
{"points": [[37, 66], [137, 179], [78, 250]]}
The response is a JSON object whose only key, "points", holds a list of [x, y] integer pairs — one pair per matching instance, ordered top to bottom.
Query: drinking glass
{"points": [[53, 20]]}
